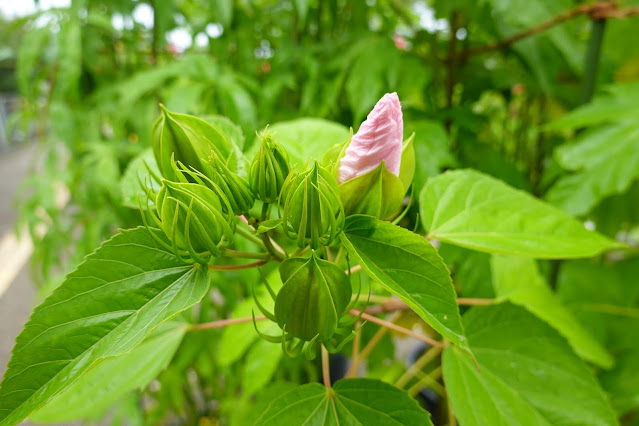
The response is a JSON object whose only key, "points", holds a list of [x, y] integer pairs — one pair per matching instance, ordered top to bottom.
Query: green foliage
{"points": [[473, 210], [409, 267], [115, 298], [557, 345], [527, 374], [364, 401]]}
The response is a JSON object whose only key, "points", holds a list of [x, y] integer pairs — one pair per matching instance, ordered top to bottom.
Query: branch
{"points": [[599, 10], [237, 267], [399, 305], [225, 322], [395, 327], [326, 371]]}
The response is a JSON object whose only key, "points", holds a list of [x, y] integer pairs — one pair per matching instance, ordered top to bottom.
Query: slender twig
{"points": [[599, 10], [250, 236], [271, 247], [244, 254], [238, 267], [354, 269], [471, 301], [393, 305], [225, 322], [395, 327], [377, 337], [355, 357], [421, 362], [326, 370], [429, 380]]}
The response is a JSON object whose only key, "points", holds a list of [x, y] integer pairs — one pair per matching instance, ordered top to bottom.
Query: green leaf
{"points": [[301, 6], [614, 103], [307, 138], [606, 161], [473, 210], [409, 267], [517, 280], [105, 308], [610, 312], [262, 361], [529, 374], [113, 377], [349, 402]]}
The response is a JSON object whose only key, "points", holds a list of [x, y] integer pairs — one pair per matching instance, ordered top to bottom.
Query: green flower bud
{"points": [[188, 139], [269, 169], [234, 187], [313, 211], [191, 215], [313, 299]]}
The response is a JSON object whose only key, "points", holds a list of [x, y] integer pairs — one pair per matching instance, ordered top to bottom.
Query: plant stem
{"points": [[600, 10], [592, 60], [249, 236], [270, 247], [341, 253], [244, 254], [238, 267], [471, 301], [225, 322], [395, 327], [367, 350], [355, 357], [421, 362], [326, 370], [429, 380]]}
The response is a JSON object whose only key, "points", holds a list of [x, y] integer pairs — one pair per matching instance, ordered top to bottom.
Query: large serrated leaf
{"points": [[473, 210], [409, 267], [518, 280], [105, 308], [528, 374], [112, 378], [349, 402]]}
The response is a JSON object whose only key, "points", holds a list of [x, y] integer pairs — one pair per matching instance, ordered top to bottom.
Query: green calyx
{"points": [[189, 140], [269, 169], [235, 188], [313, 212], [192, 216], [313, 299]]}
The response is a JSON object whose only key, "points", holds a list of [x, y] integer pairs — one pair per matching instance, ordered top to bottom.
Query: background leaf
{"points": [[476, 211], [409, 267], [518, 280], [105, 308], [529, 374], [113, 377], [363, 401]]}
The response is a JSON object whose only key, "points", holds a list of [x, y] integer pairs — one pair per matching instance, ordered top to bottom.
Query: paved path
{"points": [[18, 298]]}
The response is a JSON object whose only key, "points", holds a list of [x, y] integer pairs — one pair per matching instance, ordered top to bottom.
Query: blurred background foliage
{"points": [[91, 75]]}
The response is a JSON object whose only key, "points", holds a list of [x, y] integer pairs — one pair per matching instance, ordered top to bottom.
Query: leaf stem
{"points": [[250, 236], [270, 247], [244, 254], [238, 267], [472, 301], [225, 322], [395, 327], [377, 337], [417, 366], [326, 370], [352, 371], [429, 380]]}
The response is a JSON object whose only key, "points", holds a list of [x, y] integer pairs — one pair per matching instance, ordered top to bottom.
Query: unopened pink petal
{"points": [[379, 139]]}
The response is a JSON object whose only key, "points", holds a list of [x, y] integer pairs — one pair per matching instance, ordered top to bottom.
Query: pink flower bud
{"points": [[379, 139]]}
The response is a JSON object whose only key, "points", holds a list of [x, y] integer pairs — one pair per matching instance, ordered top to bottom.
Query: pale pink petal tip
{"points": [[378, 139]]}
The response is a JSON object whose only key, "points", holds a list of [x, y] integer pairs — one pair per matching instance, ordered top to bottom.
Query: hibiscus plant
{"points": [[317, 249]]}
